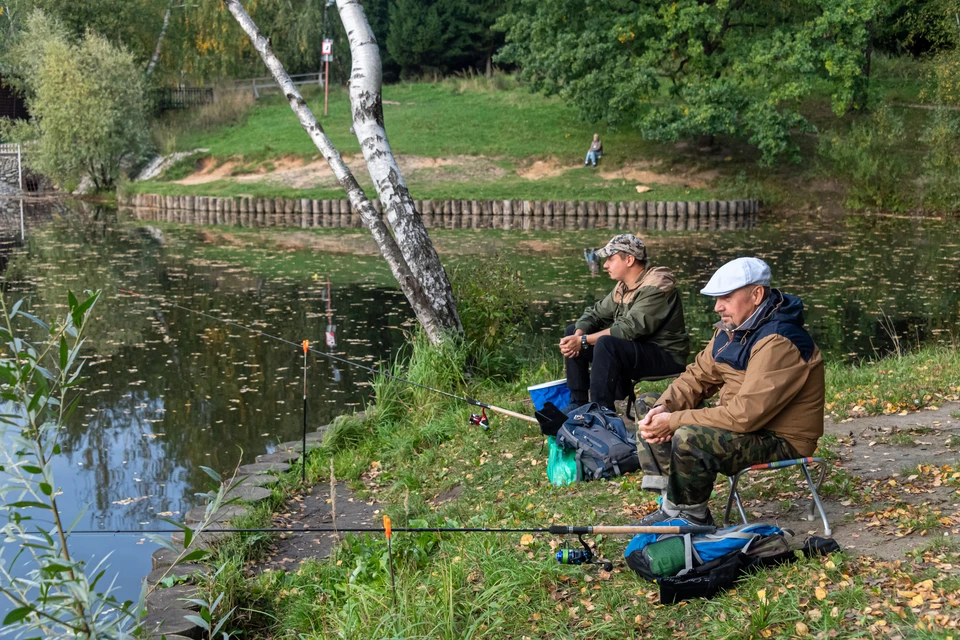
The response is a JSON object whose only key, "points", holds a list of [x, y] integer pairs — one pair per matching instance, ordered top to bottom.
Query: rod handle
{"points": [[512, 414], [631, 529]]}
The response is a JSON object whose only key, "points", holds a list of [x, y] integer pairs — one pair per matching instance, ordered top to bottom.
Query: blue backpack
{"points": [[604, 448], [658, 556]]}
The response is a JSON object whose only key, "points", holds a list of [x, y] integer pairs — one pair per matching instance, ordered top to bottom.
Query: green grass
{"points": [[497, 120], [430, 121], [575, 185], [928, 376], [413, 445]]}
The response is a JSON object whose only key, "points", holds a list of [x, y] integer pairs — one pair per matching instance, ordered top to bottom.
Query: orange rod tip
{"points": [[306, 346], [387, 527]]}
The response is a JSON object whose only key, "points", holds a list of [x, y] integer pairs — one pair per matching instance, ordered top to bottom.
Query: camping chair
{"points": [[802, 462]]}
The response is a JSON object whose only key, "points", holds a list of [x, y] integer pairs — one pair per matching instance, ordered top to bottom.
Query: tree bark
{"points": [[163, 34], [366, 102], [422, 299]]}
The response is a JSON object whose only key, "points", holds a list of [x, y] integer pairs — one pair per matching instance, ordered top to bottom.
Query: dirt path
{"points": [[298, 173], [899, 473], [314, 510]]}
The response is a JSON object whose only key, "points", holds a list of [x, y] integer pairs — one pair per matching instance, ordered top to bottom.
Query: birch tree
{"points": [[163, 33], [408, 250]]}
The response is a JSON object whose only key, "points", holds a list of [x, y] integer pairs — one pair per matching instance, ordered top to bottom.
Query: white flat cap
{"points": [[737, 273]]}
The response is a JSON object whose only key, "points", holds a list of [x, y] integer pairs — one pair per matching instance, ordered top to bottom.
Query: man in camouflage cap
{"points": [[636, 331]]}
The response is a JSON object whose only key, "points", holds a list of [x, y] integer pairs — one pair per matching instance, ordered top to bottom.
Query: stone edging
{"points": [[165, 608]]}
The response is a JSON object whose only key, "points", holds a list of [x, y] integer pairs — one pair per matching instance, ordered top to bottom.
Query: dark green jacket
{"points": [[649, 311]]}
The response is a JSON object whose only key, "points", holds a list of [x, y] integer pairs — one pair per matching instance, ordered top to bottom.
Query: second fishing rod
{"points": [[476, 419]]}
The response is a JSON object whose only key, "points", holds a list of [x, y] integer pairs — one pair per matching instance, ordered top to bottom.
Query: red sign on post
{"points": [[327, 48]]}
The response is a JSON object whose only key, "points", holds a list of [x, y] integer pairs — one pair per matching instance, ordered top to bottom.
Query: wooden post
{"points": [[20, 182], [426, 214], [570, 215], [611, 215], [634, 215]]}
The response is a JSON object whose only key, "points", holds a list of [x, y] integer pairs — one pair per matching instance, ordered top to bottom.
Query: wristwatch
{"points": [[583, 342]]}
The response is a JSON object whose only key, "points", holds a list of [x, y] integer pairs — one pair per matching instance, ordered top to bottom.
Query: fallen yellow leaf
{"points": [[526, 539], [820, 593], [802, 629]]}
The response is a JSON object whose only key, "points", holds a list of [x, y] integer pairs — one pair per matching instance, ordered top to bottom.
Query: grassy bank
{"points": [[495, 139], [414, 451]]}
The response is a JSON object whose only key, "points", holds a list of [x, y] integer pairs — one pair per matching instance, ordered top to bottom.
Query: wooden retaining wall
{"points": [[452, 214]]}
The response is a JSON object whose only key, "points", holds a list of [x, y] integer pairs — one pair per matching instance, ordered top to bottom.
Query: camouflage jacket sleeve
{"points": [[599, 316], [775, 375], [698, 382]]}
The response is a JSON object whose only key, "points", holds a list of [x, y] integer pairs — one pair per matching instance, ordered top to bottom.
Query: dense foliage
{"points": [[918, 27], [441, 35], [689, 69], [87, 101], [492, 301]]}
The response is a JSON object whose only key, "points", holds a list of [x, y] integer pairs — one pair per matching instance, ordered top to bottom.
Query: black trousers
{"points": [[616, 365]]}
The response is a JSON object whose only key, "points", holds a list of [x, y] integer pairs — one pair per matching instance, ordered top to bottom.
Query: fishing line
{"points": [[351, 363], [553, 529]]}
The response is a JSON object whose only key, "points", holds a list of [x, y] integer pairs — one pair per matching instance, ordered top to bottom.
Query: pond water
{"points": [[169, 391]]}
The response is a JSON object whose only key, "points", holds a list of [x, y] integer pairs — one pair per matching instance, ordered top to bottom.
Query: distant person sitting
{"points": [[596, 150], [637, 330]]}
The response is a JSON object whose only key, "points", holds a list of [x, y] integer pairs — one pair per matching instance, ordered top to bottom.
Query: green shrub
{"points": [[87, 101], [869, 158], [492, 301]]}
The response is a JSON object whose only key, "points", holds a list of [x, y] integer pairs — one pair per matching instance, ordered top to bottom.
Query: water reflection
{"points": [[169, 390]]}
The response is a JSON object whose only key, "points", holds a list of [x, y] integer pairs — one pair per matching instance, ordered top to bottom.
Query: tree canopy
{"points": [[693, 68]]}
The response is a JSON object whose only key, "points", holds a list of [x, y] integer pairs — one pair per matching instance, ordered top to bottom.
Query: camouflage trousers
{"points": [[687, 465]]}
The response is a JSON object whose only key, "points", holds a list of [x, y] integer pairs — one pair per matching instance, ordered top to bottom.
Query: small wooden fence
{"points": [[268, 82], [171, 98], [453, 214]]}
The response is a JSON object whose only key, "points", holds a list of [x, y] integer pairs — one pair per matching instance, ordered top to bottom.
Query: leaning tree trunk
{"points": [[365, 99], [421, 276]]}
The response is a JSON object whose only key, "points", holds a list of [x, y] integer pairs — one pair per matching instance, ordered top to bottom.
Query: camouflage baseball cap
{"points": [[627, 243]]}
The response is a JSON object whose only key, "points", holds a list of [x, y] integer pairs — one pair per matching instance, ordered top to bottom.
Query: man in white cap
{"points": [[637, 330], [769, 375]]}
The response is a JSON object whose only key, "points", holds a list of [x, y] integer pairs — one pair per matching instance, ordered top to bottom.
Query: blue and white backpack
{"points": [[658, 556]]}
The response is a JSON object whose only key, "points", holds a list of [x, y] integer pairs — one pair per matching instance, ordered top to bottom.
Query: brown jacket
{"points": [[769, 375]]}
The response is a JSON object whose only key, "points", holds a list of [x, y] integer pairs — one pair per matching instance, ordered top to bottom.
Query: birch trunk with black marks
{"points": [[163, 34], [366, 101], [429, 293]]}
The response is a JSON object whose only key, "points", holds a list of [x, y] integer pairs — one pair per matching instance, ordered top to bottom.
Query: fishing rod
{"points": [[475, 419], [560, 530], [586, 555]]}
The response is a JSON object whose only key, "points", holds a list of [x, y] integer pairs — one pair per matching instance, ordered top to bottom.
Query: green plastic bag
{"points": [[561, 464]]}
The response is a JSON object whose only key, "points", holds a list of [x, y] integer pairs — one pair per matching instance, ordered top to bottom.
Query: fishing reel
{"points": [[480, 419], [582, 556]]}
